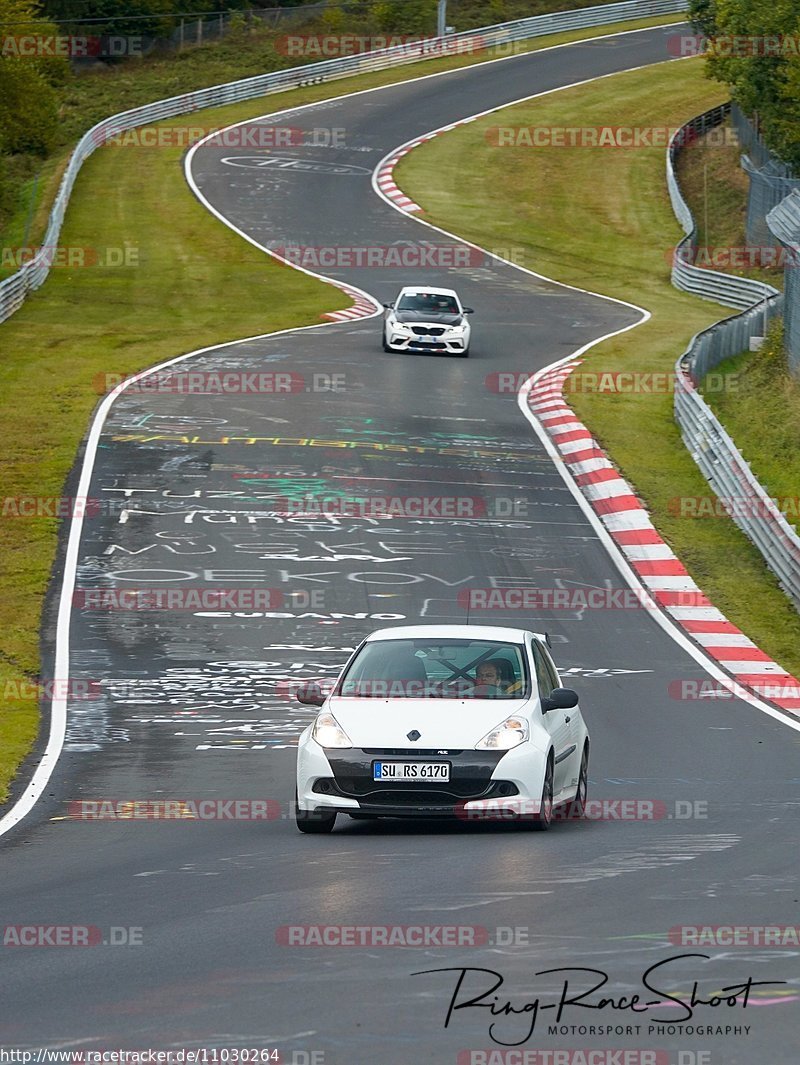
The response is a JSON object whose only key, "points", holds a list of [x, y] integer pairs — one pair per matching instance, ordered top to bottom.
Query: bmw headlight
{"points": [[455, 329], [329, 733], [509, 733]]}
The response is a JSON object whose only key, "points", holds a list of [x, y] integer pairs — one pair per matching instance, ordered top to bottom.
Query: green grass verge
{"points": [[600, 218], [84, 322], [760, 406], [762, 414]]}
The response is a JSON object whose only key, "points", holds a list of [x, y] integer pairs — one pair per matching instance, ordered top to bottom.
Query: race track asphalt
{"points": [[187, 704]]}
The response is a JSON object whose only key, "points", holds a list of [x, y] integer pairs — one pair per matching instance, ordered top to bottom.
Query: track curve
{"points": [[190, 703]]}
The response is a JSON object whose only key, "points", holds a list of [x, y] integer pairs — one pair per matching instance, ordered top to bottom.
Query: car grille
{"points": [[427, 330], [409, 752], [376, 794]]}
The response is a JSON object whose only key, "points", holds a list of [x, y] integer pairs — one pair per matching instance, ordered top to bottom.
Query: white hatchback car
{"points": [[427, 319], [442, 721]]}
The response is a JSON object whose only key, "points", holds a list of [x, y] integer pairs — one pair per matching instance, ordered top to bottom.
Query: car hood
{"points": [[427, 318], [442, 723]]}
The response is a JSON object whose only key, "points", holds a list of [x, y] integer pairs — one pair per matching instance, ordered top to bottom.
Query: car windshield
{"points": [[428, 301], [436, 669]]}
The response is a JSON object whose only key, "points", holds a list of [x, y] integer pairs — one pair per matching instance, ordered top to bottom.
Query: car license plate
{"points": [[411, 771]]}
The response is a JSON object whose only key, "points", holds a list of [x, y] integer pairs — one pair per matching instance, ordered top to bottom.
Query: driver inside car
{"points": [[494, 679], [488, 681]]}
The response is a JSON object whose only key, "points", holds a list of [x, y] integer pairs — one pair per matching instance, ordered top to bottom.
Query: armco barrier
{"points": [[770, 179], [784, 223], [710, 284], [16, 288], [709, 445]]}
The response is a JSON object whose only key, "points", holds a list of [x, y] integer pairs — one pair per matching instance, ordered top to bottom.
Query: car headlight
{"points": [[455, 329], [329, 733], [509, 733]]}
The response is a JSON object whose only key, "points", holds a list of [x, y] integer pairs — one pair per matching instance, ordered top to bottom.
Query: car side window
{"points": [[551, 669], [543, 676]]}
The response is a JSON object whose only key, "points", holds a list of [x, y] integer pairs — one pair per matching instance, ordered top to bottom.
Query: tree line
{"points": [[754, 48]]}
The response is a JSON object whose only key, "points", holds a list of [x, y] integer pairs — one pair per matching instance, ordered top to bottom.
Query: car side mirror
{"points": [[388, 306], [467, 310], [310, 694], [560, 699]]}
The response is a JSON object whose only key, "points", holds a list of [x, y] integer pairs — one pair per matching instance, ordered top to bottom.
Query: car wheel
{"points": [[385, 345], [464, 354], [577, 808], [544, 819], [313, 822]]}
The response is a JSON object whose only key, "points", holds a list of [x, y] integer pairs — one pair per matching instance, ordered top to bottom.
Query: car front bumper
{"points": [[453, 344]]}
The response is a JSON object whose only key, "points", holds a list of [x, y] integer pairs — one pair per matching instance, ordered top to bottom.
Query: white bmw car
{"points": [[427, 319], [441, 721]]}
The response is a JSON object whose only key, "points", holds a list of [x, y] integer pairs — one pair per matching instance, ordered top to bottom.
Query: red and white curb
{"points": [[385, 176], [386, 183], [363, 307], [659, 570]]}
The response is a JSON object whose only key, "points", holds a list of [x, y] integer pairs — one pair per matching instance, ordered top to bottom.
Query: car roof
{"points": [[417, 289], [445, 632]]}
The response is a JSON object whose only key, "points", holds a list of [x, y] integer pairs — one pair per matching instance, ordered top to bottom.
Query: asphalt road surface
{"points": [[187, 704]]}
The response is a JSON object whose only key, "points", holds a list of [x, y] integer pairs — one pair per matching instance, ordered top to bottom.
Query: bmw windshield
{"points": [[429, 303]]}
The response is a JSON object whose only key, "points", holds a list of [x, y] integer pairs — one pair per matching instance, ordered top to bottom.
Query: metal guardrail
{"points": [[752, 142], [770, 179], [784, 223], [709, 284], [15, 289], [709, 444]]}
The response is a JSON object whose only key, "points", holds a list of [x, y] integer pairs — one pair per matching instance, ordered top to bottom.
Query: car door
{"points": [[557, 722]]}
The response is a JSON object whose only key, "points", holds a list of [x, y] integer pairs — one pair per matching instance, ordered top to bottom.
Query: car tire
{"points": [[463, 354], [576, 809], [544, 818], [315, 823]]}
